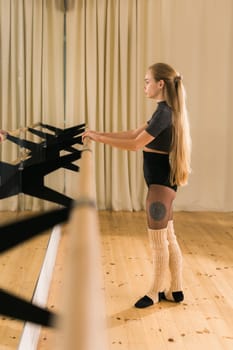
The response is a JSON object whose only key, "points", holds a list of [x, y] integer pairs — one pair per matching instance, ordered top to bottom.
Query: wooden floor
{"points": [[19, 271], [204, 320]]}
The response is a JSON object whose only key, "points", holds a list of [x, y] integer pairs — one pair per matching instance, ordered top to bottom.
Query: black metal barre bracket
{"points": [[28, 175], [14, 233], [21, 309]]}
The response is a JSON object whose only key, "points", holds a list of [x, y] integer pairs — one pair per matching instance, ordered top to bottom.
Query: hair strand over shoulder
{"points": [[180, 152]]}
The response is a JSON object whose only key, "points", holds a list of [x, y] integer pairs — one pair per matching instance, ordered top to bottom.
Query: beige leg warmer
{"points": [[159, 244], [175, 262]]}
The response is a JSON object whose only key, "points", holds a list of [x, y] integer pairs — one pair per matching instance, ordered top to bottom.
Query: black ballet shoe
{"points": [[162, 296], [177, 296], [144, 302]]}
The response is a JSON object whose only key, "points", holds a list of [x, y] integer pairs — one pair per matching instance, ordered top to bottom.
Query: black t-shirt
{"points": [[160, 127]]}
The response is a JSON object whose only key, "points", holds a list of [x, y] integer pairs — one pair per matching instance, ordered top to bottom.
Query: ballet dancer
{"points": [[166, 143]]}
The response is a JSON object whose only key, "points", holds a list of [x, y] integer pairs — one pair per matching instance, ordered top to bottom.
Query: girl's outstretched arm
{"points": [[124, 134], [131, 141]]}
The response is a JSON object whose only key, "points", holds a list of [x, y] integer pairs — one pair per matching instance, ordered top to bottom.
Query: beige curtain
{"points": [[197, 39], [110, 44], [31, 84]]}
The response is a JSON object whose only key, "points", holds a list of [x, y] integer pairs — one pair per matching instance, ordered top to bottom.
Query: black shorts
{"points": [[156, 169]]}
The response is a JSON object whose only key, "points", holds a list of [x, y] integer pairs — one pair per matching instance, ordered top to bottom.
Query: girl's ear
{"points": [[161, 84]]}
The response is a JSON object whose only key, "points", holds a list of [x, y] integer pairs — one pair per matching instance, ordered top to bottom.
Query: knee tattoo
{"points": [[157, 211]]}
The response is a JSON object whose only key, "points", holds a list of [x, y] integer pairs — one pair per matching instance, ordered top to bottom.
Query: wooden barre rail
{"points": [[84, 321]]}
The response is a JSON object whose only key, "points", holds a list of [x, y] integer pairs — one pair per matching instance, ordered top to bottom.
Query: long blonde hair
{"points": [[175, 96]]}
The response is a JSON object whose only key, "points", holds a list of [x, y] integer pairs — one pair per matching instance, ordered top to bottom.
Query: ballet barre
{"points": [[83, 324]]}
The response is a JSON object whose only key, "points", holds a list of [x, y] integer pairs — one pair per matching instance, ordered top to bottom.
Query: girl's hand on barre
{"points": [[3, 134], [92, 135]]}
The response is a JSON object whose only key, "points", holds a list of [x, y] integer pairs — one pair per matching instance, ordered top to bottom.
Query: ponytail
{"points": [[175, 96]]}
